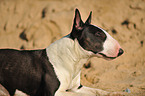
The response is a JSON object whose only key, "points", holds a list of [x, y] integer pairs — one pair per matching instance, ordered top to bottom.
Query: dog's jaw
{"points": [[110, 48]]}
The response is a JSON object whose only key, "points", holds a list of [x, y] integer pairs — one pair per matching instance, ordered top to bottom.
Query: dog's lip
{"points": [[106, 57]]}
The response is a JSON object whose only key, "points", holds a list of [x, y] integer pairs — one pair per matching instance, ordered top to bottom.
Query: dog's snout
{"points": [[120, 52]]}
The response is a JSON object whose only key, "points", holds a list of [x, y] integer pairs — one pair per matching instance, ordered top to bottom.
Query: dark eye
{"points": [[98, 34]]}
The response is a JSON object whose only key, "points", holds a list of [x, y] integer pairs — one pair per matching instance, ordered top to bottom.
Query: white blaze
{"points": [[111, 46]]}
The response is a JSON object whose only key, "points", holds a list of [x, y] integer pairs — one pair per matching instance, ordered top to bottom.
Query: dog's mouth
{"points": [[105, 57]]}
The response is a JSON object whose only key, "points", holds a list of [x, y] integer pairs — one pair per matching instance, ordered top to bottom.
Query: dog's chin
{"points": [[101, 55]]}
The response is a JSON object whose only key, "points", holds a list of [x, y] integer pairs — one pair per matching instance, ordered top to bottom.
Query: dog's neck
{"points": [[68, 56]]}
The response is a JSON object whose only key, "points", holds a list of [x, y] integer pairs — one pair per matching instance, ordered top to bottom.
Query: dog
{"points": [[55, 70]]}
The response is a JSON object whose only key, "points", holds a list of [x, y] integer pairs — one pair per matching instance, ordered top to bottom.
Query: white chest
{"points": [[67, 58]]}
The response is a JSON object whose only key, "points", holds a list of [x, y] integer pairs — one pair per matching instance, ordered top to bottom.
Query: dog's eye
{"points": [[98, 34]]}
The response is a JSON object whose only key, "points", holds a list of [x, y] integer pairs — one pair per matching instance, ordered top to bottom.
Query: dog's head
{"points": [[94, 39]]}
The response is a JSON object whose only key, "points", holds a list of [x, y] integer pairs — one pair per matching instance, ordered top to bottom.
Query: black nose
{"points": [[120, 52]]}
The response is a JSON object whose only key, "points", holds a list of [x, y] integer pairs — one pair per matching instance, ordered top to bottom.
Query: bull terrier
{"points": [[55, 70]]}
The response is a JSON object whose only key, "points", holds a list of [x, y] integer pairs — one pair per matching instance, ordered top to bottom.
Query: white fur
{"points": [[111, 46], [67, 58], [20, 93]]}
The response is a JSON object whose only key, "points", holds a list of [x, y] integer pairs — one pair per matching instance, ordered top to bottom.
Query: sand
{"points": [[35, 24]]}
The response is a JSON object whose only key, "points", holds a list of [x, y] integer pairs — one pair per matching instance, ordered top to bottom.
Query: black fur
{"points": [[90, 37], [28, 71], [31, 72], [80, 86]]}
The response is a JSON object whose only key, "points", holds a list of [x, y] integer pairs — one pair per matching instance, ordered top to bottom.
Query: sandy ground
{"points": [[31, 24]]}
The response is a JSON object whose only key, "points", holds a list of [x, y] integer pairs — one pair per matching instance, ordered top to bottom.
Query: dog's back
{"points": [[15, 65]]}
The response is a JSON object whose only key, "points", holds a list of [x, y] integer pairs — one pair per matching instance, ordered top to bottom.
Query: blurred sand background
{"points": [[35, 24]]}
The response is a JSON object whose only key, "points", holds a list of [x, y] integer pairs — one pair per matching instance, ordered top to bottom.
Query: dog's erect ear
{"points": [[88, 21], [78, 23]]}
